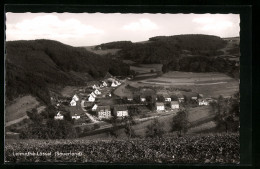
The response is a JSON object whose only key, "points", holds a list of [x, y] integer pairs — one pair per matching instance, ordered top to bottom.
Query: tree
{"points": [[227, 113], [180, 122], [155, 129], [129, 130]]}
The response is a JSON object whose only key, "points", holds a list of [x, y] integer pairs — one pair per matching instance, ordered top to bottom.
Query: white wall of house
{"points": [[75, 97], [91, 99], [143, 99], [168, 99], [73, 103], [201, 103], [175, 106], [160, 107], [122, 113], [104, 114], [58, 116], [76, 117]]}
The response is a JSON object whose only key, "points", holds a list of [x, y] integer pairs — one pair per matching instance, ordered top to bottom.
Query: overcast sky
{"points": [[92, 29]]}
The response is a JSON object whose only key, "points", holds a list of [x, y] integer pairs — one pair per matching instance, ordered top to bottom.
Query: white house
{"points": [[104, 83], [113, 84], [94, 86], [97, 92], [93, 94], [75, 97], [91, 98], [130, 98], [168, 99], [203, 102], [73, 103], [175, 105], [159, 106], [94, 108], [121, 111], [104, 112], [59, 116], [75, 116]]}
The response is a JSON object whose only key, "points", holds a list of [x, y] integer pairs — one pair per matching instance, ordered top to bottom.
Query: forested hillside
{"points": [[196, 53], [32, 65]]}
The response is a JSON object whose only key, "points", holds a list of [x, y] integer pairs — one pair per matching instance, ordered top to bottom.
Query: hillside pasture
{"points": [[146, 68], [209, 84], [17, 110]]}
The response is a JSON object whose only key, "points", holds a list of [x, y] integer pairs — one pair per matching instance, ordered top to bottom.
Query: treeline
{"points": [[115, 45], [203, 64], [32, 65]]}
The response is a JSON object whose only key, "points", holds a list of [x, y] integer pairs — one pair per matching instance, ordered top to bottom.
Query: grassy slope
{"points": [[219, 148]]}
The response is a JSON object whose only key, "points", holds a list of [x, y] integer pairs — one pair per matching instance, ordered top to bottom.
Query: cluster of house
{"points": [[104, 112]]}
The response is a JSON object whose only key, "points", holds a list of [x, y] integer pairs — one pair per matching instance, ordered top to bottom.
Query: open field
{"points": [[102, 52], [146, 68], [209, 84], [69, 91], [17, 110], [198, 113], [196, 149]]}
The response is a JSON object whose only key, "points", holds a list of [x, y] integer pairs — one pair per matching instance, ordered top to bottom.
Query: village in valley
{"points": [[96, 103]]}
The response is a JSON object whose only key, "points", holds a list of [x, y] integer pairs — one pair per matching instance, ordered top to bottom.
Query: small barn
{"points": [[167, 98], [203, 102], [58, 116], [75, 116]]}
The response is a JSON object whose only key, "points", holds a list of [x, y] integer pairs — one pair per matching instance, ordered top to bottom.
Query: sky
{"points": [[89, 29]]}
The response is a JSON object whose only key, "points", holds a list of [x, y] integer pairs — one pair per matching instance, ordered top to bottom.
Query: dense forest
{"points": [[196, 53], [32, 65]]}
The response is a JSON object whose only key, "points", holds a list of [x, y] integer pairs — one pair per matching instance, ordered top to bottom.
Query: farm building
{"points": [[97, 92], [75, 97], [91, 98], [130, 98], [167, 98], [194, 98], [181, 99], [203, 102], [73, 103], [175, 105], [159, 106], [94, 108], [121, 111], [103, 112], [59, 116], [75, 116]]}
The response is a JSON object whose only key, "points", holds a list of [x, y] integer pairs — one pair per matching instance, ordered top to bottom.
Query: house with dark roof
{"points": [[175, 105], [159, 106], [120, 111], [103, 112]]}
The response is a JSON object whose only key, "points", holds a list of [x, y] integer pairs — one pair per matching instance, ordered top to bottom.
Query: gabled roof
{"points": [[108, 75], [174, 103], [159, 104], [103, 108], [120, 108]]}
